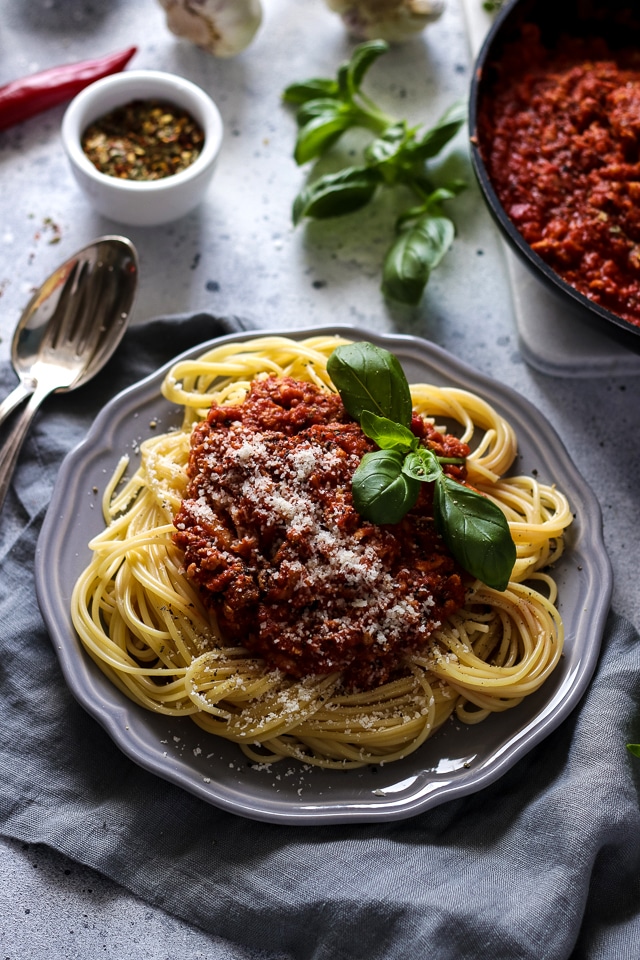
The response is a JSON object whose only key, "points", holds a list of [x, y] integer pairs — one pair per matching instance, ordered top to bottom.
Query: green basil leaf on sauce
{"points": [[370, 378], [388, 434], [422, 464], [386, 484], [382, 493], [476, 532]]}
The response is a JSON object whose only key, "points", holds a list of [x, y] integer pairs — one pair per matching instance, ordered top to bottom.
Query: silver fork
{"points": [[87, 323]]}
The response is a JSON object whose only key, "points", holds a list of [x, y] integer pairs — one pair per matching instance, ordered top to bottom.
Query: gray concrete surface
{"points": [[238, 253]]}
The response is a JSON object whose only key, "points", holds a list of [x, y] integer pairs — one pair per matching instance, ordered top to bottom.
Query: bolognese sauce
{"points": [[560, 135], [282, 558]]}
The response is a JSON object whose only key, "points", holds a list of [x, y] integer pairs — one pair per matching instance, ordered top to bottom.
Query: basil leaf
{"points": [[364, 55], [343, 82], [310, 90], [321, 107], [317, 134], [433, 140], [388, 146], [419, 181], [447, 192], [336, 194], [430, 208], [439, 234], [412, 257], [370, 378], [388, 434], [422, 464], [382, 493], [476, 532], [634, 748]]}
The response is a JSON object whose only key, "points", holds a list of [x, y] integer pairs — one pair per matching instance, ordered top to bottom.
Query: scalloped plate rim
{"points": [[125, 722]]}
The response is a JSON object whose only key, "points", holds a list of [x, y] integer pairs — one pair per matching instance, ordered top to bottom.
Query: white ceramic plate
{"points": [[458, 760]]}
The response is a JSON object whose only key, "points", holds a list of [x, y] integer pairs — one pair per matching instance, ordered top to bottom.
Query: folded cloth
{"points": [[543, 864]]}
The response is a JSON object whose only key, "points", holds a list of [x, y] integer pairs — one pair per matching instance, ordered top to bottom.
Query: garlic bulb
{"points": [[392, 20], [222, 27]]}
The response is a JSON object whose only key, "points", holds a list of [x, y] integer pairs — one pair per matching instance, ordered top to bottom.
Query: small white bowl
{"points": [[136, 202]]}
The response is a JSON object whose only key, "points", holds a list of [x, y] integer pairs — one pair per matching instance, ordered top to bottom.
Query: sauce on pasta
{"points": [[289, 567]]}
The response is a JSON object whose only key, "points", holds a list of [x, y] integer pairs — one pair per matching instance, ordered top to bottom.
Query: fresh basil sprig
{"points": [[397, 156], [386, 484]]}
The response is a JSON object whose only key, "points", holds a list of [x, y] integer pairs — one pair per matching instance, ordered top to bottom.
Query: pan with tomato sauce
{"points": [[559, 134]]}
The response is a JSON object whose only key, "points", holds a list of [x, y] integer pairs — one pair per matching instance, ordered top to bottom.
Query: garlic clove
{"points": [[391, 20], [221, 27]]}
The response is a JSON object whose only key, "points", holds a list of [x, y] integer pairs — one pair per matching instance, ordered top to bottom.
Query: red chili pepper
{"points": [[23, 98]]}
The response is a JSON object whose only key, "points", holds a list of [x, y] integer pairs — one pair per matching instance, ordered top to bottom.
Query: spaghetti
{"points": [[145, 624]]}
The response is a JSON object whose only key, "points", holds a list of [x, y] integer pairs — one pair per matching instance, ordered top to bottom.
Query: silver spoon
{"points": [[68, 331]]}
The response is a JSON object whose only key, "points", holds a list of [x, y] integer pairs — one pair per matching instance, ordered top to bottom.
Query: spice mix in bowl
{"points": [[143, 140], [143, 145]]}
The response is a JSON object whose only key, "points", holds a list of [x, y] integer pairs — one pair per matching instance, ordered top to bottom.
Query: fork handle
{"points": [[17, 395], [10, 450]]}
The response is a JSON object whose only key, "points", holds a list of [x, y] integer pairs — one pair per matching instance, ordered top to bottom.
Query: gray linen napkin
{"points": [[544, 864]]}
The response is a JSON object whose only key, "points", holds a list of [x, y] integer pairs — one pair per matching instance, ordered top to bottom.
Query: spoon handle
{"points": [[16, 396], [15, 438]]}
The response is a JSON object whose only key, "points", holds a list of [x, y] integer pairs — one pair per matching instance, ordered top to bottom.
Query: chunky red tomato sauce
{"points": [[560, 136], [288, 566]]}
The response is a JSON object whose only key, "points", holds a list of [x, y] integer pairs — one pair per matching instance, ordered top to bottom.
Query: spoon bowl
{"points": [[105, 258], [68, 331]]}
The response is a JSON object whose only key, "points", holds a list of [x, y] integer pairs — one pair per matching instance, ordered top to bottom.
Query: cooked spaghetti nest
{"points": [[144, 624]]}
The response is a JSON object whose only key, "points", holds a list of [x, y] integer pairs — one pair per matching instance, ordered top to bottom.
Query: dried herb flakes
{"points": [[143, 140]]}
